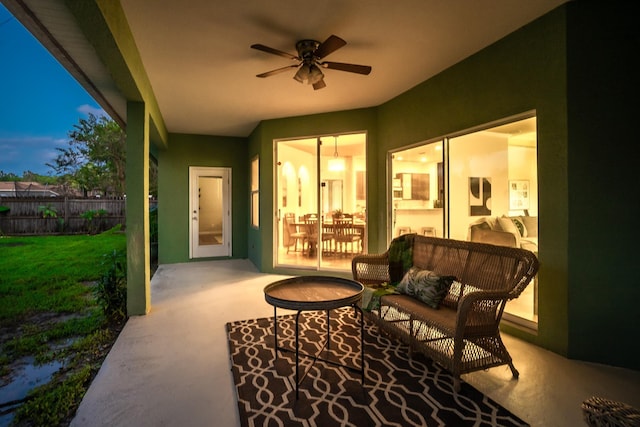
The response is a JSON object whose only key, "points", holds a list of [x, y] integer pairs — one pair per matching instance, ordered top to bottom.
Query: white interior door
{"points": [[210, 212]]}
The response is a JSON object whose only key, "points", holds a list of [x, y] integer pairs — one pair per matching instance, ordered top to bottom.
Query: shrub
{"points": [[48, 211], [90, 215], [111, 289]]}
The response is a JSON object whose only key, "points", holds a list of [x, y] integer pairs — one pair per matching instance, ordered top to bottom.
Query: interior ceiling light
{"points": [[336, 164]]}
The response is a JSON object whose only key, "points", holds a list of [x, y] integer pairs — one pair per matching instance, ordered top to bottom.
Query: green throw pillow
{"points": [[425, 285]]}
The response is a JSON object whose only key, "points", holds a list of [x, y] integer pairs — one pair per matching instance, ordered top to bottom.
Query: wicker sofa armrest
{"points": [[371, 269], [479, 295], [471, 300], [480, 311]]}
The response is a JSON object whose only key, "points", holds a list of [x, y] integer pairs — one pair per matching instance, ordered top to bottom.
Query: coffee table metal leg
{"points": [[357, 310], [275, 330], [328, 331], [361, 342], [297, 353]]}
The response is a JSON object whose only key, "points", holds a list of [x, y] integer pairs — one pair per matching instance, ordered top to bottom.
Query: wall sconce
{"points": [[337, 163]]}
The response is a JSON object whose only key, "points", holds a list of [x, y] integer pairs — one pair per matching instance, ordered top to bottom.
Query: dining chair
{"points": [[404, 230], [428, 231], [291, 233], [345, 234]]}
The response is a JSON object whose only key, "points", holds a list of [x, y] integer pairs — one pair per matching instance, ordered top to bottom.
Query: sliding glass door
{"points": [[319, 179], [480, 185], [494, 193]]}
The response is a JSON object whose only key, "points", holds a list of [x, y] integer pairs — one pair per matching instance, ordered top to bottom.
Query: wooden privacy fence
{"points": [[48, 215]]}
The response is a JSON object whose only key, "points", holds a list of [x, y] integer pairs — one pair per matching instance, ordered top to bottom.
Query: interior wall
{"points": [[478, 155], [523, 163], [304, 167], [173, 190], [413, 213], [210, 218]]}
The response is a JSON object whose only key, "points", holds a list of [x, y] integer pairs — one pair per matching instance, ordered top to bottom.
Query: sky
{"points": [[40, 101]]}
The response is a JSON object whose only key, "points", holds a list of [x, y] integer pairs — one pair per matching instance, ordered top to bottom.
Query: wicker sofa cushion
{"points": [[425, 285]]}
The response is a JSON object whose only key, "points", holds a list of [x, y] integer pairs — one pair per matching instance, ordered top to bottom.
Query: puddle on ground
{"points": [[25, 378]]}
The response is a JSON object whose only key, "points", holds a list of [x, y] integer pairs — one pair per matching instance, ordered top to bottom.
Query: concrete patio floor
{"points": [[171, 367]]}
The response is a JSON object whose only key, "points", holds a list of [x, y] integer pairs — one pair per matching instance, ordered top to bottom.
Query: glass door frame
{"points": [[517, 130], [306, 169], [223, 248]]}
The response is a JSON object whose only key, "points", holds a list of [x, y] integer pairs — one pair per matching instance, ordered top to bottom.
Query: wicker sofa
{"points": [[462, 334]]}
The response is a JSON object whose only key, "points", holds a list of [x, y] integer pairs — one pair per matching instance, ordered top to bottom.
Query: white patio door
{"points": [[209, 212]]}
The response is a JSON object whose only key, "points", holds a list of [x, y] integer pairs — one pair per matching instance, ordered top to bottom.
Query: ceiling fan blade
{"points": [[330, 45], [274, 51], [352, 68], [277, 71], [319, 85]]}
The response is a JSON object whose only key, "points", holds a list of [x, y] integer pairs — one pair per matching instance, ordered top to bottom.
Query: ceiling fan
{"points": [[310, 61]]}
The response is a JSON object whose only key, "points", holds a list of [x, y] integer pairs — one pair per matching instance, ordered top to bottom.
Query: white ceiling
{"points": [[198, 58]]}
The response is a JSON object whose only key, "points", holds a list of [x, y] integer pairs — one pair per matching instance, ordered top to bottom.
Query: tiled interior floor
{"points": [[171, 367]]}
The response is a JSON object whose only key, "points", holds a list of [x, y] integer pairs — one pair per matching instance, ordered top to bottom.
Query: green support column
{"points": [[138, 264]]}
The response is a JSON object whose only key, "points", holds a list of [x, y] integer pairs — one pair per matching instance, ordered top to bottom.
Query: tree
{"points": [[95, 158], [8, 176]]}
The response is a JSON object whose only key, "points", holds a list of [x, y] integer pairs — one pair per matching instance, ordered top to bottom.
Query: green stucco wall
{"points": [[603, 90], [137, 182], [173, 190]]}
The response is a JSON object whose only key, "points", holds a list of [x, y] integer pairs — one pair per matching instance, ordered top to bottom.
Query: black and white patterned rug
{"points": [[398, 390]]}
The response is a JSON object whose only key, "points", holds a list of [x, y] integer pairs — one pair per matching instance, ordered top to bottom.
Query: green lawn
{"points": [[49, 310]]}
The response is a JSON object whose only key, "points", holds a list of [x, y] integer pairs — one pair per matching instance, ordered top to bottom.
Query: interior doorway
{"points": [[210, 212]]}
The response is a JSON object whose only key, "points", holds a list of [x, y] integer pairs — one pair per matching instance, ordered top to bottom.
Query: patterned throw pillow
{"points": [[520, 226], [425, 285]]}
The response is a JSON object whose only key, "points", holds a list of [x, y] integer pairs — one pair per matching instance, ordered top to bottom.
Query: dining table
{"points": [[327, 225]]}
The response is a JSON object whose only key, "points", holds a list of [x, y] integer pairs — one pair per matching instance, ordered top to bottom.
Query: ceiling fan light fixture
{"points": [[310, 61], [302, 74], [309, 74], [315, 75]]}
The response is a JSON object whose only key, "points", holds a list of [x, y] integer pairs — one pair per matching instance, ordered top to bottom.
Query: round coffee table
{"points": [[310, 293]]}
